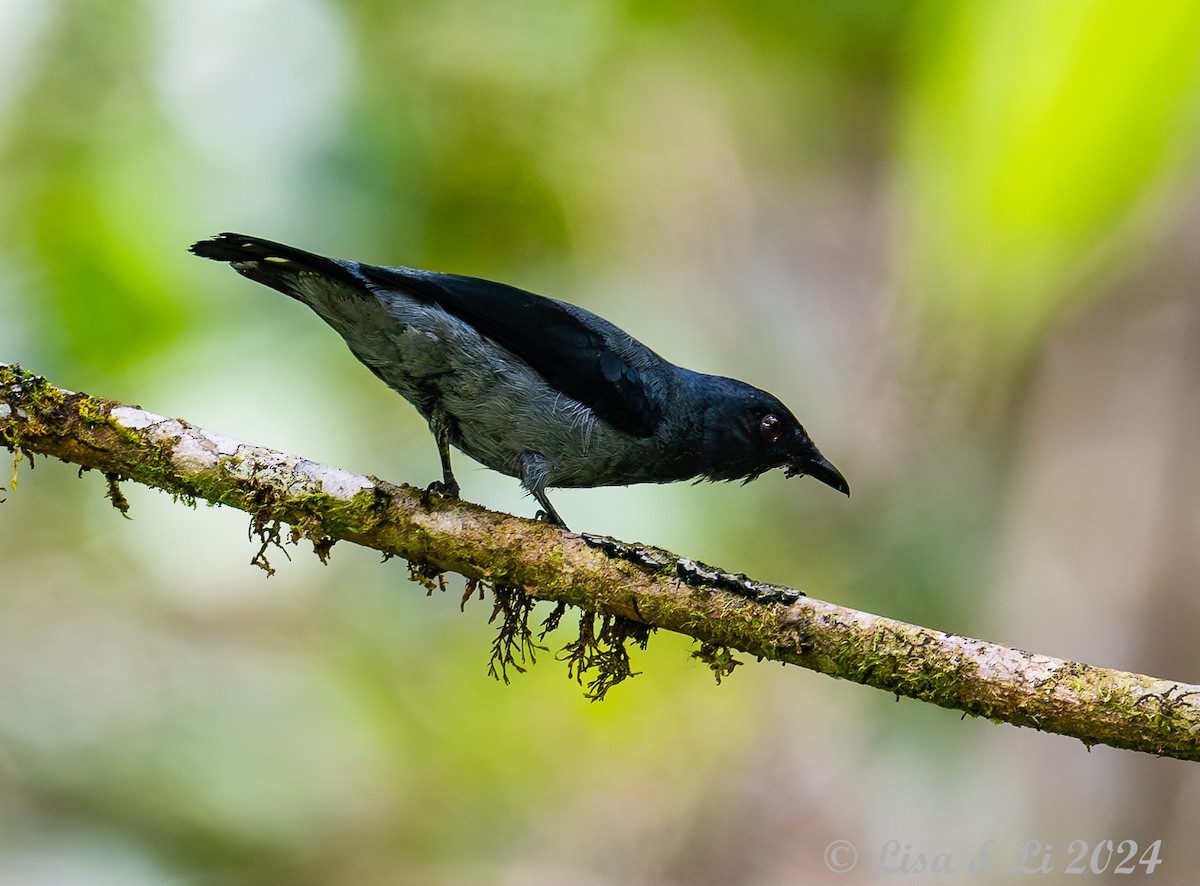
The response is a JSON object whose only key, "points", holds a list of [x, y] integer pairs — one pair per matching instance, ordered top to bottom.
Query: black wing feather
{"points": [[578, 353]]}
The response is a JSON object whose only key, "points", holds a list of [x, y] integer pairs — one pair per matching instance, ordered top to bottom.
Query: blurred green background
{"points": [[958, 238]]}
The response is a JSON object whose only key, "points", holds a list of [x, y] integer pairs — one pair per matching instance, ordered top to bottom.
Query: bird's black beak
{"points": [[820, 468]]}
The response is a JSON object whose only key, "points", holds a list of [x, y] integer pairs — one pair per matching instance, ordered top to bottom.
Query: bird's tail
{"points": [[273, 264]]}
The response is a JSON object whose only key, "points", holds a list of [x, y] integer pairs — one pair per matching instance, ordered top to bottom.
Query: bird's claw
{"points": [[442, 488], [553, 519]]}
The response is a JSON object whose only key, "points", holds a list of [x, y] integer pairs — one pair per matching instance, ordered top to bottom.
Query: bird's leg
{"points": [[441, 434], [533, 478], [547, 514]]}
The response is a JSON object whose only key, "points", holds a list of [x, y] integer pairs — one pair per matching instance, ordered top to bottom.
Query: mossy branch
{"points": [[631, 589]]}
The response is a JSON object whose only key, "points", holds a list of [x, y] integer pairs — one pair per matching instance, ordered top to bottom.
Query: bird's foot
{"points": [[444, 488], [552, 518]]}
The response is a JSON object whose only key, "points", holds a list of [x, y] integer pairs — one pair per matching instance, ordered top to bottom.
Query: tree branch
{"points": [[631, 588]]}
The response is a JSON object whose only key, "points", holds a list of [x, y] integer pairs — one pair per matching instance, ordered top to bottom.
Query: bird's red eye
{"points": [[771, 428]]}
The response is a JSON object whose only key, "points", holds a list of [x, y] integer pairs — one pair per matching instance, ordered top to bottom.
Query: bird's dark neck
{"points": [[695, 424]]}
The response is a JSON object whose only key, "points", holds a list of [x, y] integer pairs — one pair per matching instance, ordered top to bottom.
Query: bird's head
{"points": [[748, 432]]}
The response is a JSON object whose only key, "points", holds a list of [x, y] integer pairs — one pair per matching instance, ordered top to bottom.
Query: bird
{"points": [[532, 387]]}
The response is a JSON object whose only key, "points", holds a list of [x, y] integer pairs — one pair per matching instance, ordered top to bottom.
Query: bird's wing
{"points": [[578, 353]]}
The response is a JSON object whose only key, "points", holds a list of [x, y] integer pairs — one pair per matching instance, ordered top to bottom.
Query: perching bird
{"points": [[534, 388]]}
